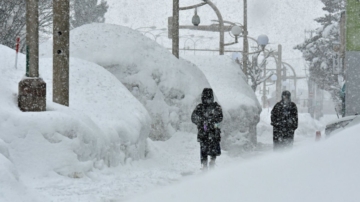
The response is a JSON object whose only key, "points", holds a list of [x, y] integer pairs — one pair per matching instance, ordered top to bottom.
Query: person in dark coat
{"points": [[206, 116], [284, 119]]}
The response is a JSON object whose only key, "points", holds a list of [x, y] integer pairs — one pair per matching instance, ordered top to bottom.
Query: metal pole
{"points": [[221, 26], [175, 29], [32, 38], [245, 43], [17, 51], [61, 52], [278, 74], [295, 78], [264, 88]]}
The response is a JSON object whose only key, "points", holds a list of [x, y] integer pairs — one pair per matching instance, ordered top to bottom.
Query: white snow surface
{"points": [[169, 88], [240, 106], [104, 126], [40, 166], [320, 171]]}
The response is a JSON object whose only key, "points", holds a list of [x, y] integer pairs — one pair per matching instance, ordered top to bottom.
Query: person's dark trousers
{"points": [[283, 139], [204, 153]]}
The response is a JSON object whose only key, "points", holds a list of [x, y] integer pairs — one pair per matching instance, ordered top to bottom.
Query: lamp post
{"points": [[173, 23], [263, 40], [245, 42]]}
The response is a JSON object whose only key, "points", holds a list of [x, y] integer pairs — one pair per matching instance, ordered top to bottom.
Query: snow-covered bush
{"points": [[166, 86], [240, 106], [104, 125]]}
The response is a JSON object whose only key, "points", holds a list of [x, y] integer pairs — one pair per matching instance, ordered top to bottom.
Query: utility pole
{"points": [[175, 28], [245, 43], [61, 52], [278, 73], [32, 89]]}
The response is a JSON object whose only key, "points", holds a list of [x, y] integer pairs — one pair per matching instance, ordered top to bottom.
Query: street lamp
{"points": [[196, 19], [173, 23], [236, 31], [263, 40]]}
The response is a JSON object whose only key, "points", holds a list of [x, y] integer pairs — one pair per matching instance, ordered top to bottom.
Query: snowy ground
{"points": [[168, 164], [318, 171]]}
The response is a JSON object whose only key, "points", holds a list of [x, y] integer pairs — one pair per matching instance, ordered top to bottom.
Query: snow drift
{"points": [[169, 88], [240, 106], [104, 125], [323, 171]]}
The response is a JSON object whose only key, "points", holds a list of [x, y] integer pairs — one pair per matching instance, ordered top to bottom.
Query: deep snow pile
{"points": [[169, 88], [240, 106], [104, 125], [321, 171]]}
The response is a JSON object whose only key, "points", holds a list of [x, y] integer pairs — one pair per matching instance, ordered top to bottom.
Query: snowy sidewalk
{"points": [[168, 162]]}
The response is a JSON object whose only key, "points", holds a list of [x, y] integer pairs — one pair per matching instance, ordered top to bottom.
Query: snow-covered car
{"points": [[340, 124]]}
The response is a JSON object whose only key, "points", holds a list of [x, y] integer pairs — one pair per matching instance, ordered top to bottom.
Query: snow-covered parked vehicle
{"points": [[340, 124]]}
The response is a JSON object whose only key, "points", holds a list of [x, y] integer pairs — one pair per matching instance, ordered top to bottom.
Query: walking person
{"points": [[206, 116], [284, 119]]}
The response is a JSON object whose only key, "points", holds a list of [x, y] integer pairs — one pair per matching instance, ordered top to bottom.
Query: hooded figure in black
{"points": [[206, 117], [284, 119]]}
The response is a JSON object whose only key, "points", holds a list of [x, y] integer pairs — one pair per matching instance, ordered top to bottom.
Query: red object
{"points": [[17, 44], [318, 135]]}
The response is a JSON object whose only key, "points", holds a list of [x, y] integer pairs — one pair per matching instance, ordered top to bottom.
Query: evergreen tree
{"points": [[88, 11], [318, 50]]}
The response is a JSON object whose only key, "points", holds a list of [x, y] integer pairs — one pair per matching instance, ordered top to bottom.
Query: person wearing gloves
{"points": [[207, 116]]}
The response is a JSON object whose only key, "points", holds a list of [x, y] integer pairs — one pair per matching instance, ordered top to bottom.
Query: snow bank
{"points": [[166, 86], [240, 106], [104, 125], [323, 171], [9, 180]]}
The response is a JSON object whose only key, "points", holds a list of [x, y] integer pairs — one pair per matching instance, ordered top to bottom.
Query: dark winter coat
{"points": [[206, 116], [284, 119]]}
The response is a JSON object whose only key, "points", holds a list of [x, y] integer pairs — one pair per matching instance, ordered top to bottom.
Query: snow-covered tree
{"points": [[88, 11], [13, 20], [318, 50], [256, 70]]}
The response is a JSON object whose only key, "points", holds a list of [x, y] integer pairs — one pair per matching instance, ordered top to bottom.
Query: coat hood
{"points": [[207, 94], [286, 95]]}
